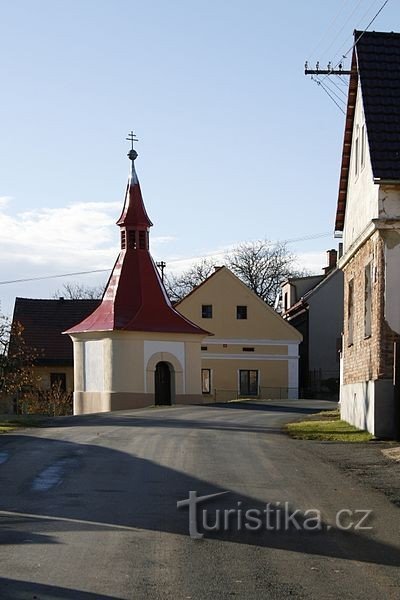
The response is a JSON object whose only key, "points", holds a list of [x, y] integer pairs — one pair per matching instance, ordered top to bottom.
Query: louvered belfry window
{"points": [[132, 239], [123, 240], [142, 240]]}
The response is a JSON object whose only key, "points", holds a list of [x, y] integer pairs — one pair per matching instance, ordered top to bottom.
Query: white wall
{"points": [[362, 193], [94, 366], [357, 405]]}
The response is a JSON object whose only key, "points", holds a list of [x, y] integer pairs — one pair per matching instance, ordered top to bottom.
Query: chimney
{"points": [[332, 259]]}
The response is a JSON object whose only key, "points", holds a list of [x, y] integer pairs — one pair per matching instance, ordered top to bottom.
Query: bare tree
{"points": [[263, 265], [178, 286], [78, 291], [17, 359]]}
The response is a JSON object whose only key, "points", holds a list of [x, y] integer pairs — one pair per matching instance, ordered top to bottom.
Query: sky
{"points": [[235, 142]]}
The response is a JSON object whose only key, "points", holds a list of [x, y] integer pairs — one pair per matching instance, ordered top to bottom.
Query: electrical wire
{"points": [[313, 52], [321, 84], [40, 278]]}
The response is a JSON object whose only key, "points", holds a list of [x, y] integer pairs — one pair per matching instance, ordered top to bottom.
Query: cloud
{"points": [[4, 200], [79, 236]]}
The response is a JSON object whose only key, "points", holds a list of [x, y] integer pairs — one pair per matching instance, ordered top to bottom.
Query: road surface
{"points": [[88, 509]]}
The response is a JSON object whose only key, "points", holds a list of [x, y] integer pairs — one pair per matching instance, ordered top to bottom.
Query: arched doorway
{"points": [[162, 384]]}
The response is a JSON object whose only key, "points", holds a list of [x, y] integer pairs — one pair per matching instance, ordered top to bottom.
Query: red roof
{"points": [[134, 212], [135, 298]]}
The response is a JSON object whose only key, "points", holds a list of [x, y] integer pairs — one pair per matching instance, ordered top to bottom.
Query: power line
{"points": [[343, 26], [362, 33], [350, 37], [313, 52], [320, 83], [54, 276], [60, 276]]}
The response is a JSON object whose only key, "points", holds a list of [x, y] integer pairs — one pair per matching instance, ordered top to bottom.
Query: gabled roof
{"points": [[376, 65], [225, 274], [303, 301], [45, 320]]}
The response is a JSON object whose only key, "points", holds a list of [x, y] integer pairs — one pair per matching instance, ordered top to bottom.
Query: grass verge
{"points": [[10, 423], [327, 426]]}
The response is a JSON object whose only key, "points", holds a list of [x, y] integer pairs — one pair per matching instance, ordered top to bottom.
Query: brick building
{"points": [[368, 217]]}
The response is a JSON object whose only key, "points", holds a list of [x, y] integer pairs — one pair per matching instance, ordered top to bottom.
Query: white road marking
{"points": [[9, 513]]}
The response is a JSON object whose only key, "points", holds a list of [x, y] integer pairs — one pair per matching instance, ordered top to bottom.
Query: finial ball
{"points": [[132, 154]]}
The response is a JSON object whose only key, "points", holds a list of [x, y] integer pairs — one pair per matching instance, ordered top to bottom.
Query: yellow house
{"points": [[253, 351]]}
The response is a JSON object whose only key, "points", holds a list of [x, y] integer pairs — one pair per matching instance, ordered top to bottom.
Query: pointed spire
{"points": [[134, 212], [135, 298]]}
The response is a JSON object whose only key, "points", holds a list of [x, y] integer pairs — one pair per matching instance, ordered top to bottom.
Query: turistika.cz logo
{"points": [[273, 517]]}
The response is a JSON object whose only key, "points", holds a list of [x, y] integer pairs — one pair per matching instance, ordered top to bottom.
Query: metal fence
{"points": [[264, 393]]}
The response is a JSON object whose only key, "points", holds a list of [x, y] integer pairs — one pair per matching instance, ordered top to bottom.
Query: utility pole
{"points": [[328, 71], [161, 265]]}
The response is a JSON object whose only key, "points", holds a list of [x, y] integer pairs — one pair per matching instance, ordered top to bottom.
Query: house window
{"points": [[363, 140], [356, 151], [123, 240], [132, 240], [367, 300], [285, 301], [206, 311], [241, 312], [350, 312], [204, 348], [247, 349], [59, 381], [206, 381], [248, 382]]}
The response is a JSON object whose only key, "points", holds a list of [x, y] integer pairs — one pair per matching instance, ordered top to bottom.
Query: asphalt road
{"points": [[88, 509]]}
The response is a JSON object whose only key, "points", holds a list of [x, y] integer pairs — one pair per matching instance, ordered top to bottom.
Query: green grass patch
{"points": [[12, 422], [327, 426]]}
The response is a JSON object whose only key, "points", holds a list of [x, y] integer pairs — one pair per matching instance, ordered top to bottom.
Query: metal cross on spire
{"points": [[132, 138]]}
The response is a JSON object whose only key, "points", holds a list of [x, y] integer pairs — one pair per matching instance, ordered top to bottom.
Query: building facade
{"points": [[368, 217], [314, 306], [253, 352]]}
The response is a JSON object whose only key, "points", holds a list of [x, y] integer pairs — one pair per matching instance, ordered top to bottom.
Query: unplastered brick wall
{"points": [[367, 357]]}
